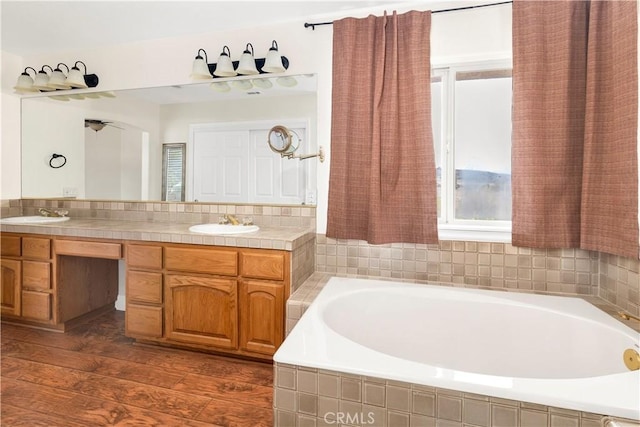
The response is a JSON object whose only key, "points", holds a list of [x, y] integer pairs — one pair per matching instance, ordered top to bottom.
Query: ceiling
{"points": [[34, 27]]}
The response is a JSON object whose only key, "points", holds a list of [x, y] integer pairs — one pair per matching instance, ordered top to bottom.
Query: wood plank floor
{"points": [[95, 376]]}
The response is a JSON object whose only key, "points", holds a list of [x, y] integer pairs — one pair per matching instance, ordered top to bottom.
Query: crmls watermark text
{"points": [[360, 418]]}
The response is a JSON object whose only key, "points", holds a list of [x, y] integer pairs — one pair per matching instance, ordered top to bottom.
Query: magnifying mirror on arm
{"points": [[285, 142]]}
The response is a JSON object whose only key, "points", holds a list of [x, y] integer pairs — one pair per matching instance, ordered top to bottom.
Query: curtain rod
{"points": [[313, 25]]}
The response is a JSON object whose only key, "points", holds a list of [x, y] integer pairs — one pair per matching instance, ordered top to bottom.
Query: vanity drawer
{"points": [[10, 246], [36, 248], [87, 249], [144, 256], [206, 261], [263, 264], [36, 275], [144, 287], [36, 305], [143, 321]]}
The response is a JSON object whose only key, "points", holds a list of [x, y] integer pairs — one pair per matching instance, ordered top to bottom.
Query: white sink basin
{"points": [[36, 219], [223, 228]]}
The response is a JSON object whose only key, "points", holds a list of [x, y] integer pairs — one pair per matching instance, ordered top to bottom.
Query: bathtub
{"points": [[550, 350]]}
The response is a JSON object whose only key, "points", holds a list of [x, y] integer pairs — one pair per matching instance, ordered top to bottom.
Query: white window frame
{"points": [[450, 228]]}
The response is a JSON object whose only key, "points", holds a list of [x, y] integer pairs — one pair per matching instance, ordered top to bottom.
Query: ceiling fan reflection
{"points": [[97, 125]]}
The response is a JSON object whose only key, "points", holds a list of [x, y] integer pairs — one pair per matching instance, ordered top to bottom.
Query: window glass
{"points": [[436, 123], [482, 151]]}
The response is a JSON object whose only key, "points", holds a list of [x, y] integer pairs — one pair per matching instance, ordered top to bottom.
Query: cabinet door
{"points": [[10, 277], [201, 310], [261, 316]]}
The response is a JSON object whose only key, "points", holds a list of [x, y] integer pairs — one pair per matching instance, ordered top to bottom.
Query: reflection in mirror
{"points": [[123, 160], [173, 171]]}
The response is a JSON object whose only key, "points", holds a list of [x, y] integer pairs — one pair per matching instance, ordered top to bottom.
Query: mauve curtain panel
{"points": [[575, 109], [382, 183]]}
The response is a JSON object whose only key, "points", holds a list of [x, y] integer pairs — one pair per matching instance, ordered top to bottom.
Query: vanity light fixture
{"points": [[274, 62], [247, 64], [224, 66], [200, 69], [58, 79], [75, 79], [42, 80], [25, 82]]}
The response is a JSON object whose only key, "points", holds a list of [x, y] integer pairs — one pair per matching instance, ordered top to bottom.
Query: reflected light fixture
{"points": [[273, 62], [247, 64], [224, 66], [200, 69], [58, 78], [75, 79], [42, 80], [287, 81], [25, 82], [262, 83], [242, 84], [220, 86], [60, 97]]}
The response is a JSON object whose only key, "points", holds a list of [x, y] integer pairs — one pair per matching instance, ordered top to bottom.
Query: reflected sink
{"points": [[36, 219], [223, 228]]}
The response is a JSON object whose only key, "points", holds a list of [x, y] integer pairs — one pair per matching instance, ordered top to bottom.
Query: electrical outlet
{"points": [[69, 192], [310, 197]]}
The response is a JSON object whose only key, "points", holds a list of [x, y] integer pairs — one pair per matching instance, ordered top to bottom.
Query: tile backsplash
{"points": [[284, 216]]}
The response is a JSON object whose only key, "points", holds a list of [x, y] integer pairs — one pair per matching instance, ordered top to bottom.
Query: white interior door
{"points": [[233, 163], [220, 166], [273, 179]]}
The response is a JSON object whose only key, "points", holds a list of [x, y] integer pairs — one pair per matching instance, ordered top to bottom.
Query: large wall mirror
{"points": [[114, 141]]}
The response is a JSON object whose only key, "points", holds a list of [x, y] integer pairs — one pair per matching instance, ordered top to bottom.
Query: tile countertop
{"points": [[283, 238]]}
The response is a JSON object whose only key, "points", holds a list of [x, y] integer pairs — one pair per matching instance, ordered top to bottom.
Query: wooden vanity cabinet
{"points": [[27, 285], [225, 299]]}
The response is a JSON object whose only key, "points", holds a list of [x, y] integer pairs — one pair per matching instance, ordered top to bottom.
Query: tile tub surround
{"points": [[490, 265], [316, 397]]}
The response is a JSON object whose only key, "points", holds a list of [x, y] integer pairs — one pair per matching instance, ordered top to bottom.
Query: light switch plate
{"points": [[69, 192]]}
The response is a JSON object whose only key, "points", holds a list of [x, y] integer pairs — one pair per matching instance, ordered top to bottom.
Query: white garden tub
{"points": [[555, 351]]}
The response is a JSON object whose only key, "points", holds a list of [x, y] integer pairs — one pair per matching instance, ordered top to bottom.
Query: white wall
{"points": [[456, 36]]}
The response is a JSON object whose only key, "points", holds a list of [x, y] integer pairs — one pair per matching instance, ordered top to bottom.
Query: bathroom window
{"points": [[471, 116], [173, 162]]}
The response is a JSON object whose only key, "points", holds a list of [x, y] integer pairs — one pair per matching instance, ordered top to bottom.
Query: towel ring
{"points": [[59, 163]]}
